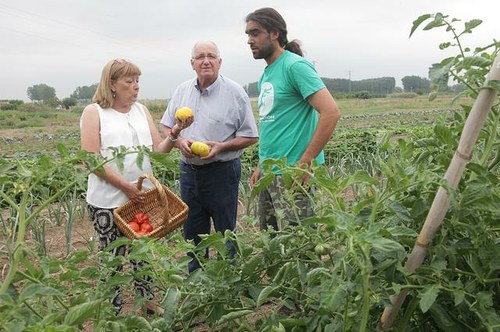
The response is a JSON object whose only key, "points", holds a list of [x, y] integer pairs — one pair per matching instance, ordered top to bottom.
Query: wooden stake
{"points": [[441, 202]]}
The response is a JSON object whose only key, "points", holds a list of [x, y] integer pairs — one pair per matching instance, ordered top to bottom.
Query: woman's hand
{"points": [[180, 125], [133, 193]]}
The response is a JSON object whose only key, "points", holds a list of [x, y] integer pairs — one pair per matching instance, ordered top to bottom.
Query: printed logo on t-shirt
{"points": [[265, 102]]}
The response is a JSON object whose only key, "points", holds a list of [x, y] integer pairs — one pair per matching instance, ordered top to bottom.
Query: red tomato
{"points": [[141, 217], [135, 226], [146, 227], [142, 232]]}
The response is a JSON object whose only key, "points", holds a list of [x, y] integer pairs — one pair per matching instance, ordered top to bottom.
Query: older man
{"points": [[224, 120]]}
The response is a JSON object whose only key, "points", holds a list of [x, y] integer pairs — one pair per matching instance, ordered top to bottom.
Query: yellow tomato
{"points": [[183, 113], [200, 148]]}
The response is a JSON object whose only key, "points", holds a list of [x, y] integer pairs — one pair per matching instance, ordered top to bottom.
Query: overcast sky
{"points": [[66, 43]]}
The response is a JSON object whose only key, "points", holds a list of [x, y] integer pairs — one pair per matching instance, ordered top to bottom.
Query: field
{"points": [[25, 133], [383, 165]]}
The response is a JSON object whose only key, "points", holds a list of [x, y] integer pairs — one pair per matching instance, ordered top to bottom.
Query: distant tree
{"points": [[336, 84], [416, 84], [381, 85], [373, 86], [251, 89], [41, 92], [84, 92], [52, 102], [69, 102]]}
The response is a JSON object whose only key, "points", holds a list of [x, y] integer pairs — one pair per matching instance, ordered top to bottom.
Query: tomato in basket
{"points": [[141, 217], [134, 225], [146, 227]]}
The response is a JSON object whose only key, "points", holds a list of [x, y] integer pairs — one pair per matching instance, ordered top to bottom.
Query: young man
{"points": [[297, 114], [224, 120]]}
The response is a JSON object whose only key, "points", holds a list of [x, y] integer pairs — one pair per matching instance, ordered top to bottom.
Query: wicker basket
{"points": [[166, 210]]}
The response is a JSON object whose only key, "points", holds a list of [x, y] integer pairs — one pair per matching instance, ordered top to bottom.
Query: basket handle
{"points": [[159, 188]]}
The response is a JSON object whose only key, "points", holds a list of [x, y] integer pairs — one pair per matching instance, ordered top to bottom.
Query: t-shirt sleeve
{"points": [[305, 78]]}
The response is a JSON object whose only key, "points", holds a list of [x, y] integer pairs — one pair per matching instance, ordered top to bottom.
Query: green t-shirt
{"points": [[286, 119]]}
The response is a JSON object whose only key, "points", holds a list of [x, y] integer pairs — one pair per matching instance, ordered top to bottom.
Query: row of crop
{"points": [[336, 275]]}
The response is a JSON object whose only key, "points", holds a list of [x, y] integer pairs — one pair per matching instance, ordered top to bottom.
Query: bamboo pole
{"points": [[441, 202]]}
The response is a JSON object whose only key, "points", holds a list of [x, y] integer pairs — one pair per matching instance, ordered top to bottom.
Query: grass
{"points": [[29, 131]]}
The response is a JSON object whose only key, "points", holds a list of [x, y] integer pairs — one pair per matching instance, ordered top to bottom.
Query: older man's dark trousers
{"points": [[211, 192]]}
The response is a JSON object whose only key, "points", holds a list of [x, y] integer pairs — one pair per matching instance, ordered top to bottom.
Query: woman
{"points": [[117, 119]]}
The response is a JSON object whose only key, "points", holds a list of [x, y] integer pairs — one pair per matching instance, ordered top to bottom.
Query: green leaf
{"points": [[419, 21], [437, 22], [471, 25], [443, 46], [475, 61], [440, 72], [444, 135], [63, 151], [140, 159], [361, 177], [262, 184], [402, 231], [214, 240], [384, 245], [251, 266], [317, 274], [33, 290], [265, 294], [333, 296], [459, 296], [428, 297], [485, 299], [170, 303], [82, 312], [234, 315], [443, 319], [135, 323]]}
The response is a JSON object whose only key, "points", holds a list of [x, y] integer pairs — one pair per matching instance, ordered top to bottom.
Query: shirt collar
{"points": [[212, 86]]}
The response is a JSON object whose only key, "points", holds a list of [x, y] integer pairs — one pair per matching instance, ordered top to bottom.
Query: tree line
{"points": [[374, 86], [42, 93]]}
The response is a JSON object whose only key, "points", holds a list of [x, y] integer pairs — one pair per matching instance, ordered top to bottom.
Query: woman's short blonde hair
{"points": [[113, 70]]}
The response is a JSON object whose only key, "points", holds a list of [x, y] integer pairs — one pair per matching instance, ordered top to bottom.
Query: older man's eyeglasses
{"points": [[209, 57]]}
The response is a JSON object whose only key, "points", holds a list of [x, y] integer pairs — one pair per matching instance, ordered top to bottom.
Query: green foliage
{"points": [[470, 66], [416, 84], [381, 85], [370, 87], [41, 92], [84, 93], [403, 95], [69, 102], [10, 104], [32, 107], [156, 107]]}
